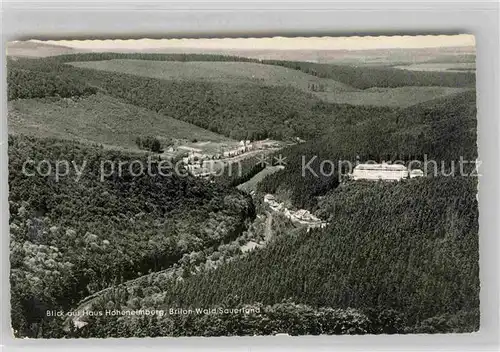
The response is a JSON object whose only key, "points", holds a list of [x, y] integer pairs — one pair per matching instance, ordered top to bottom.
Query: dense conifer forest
{"points": [[24, 84], [239, 111], [443, 130], [421, 256]]}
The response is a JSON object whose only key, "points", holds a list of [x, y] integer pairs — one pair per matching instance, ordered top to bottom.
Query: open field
{"points": [[34, 49], [381, 56], [441, 66], [229, 72], [248, 72], [392, 97], [99, 119], [208, 147], [251, 185]]}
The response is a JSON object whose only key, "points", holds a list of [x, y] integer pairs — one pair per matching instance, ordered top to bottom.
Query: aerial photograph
{"points": [[243, 186]]}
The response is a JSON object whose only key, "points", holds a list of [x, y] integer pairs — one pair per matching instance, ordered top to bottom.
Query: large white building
{"points": [[387, 172]]}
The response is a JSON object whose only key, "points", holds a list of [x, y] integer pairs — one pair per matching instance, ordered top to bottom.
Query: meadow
{"points": [[441, 66], [227, 72], [326, 89], [400, 97], [99, 119], [251, 185]]}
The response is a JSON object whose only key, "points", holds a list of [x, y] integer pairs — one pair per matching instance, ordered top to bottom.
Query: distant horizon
{"points": [[353, 43]]}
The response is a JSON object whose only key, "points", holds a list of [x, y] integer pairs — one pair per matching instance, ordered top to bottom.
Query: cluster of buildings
{"points": [[243, 147], [196, 156], [200, 164], [384, 171], [373, 172], [301, 216]]}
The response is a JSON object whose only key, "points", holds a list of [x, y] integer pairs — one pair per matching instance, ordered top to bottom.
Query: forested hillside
{"points": [[98, 56], [219, 71], [363, 77], [24, 84], [325, 89], [239, 111], [99, 119], [442, 130], [74, 235], [405, 255], [250, 320]]}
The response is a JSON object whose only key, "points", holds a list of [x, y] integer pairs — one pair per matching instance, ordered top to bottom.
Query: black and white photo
{"points": [[243, 186]]}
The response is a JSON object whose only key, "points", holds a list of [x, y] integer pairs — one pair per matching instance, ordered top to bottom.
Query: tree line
{"points": [[363, 77], [27, 84], [442, 130], [411, 247]]}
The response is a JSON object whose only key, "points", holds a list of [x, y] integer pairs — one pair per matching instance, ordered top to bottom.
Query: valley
{"points": [[302, 252]]}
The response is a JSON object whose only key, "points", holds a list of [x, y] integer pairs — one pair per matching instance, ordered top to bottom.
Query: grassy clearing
{"points": [[440, 66], [228, 72], [248, 72], [391, 97], [99, 119], [251, 185]]}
